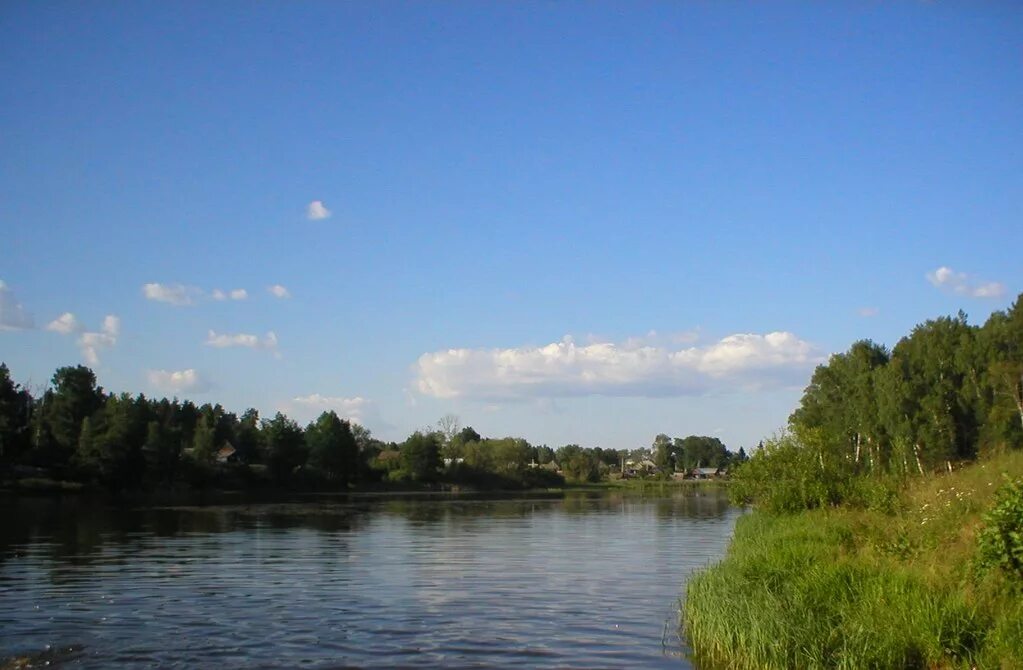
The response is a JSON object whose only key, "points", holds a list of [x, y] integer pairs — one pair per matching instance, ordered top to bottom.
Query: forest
{"points": [[947, 394], [76, 433]]}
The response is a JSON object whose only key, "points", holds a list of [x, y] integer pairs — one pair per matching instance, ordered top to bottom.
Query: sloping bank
{"points": [[929, 575]]}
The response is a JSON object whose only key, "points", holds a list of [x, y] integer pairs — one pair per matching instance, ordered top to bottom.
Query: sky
{"points": [[572, 222]]}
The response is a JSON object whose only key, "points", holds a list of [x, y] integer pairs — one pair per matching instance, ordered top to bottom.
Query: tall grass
{"points": [[855, 588]]}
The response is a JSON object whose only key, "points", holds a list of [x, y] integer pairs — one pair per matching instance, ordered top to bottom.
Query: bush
{"points": [[791, 473], [1000, 541]]}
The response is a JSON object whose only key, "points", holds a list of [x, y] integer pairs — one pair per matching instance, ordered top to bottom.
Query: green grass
{"points": [[852, 588]]}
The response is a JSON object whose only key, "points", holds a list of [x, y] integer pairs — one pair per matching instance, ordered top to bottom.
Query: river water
{"points": [[580, 580]]}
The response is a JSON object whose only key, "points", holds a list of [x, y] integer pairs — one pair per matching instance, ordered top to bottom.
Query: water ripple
{"points": [[577, 582]]}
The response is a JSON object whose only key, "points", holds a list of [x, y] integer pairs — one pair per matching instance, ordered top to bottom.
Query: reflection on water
{"points": [[580, 580]]}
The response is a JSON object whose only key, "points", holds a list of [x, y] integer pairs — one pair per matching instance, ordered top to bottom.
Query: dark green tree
{"points": [[74, 397], [15, 418], [247, 439], [284, 445], [204, 446], [332, 448], [161, 451], [663, 451], [420, 456], [578, 464]]}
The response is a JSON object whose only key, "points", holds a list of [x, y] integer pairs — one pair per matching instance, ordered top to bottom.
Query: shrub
{"points": [[792, 473], [1000, 541]]}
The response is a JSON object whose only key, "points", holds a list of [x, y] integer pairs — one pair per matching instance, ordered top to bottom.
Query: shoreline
{"points": [[40, 488]]}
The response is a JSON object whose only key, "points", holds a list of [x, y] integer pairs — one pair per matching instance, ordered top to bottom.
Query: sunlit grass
{"points": [[852, 588]]}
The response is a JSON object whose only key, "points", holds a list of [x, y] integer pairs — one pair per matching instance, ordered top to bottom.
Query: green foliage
{"points": [[947, 391], [74, 398], [15, 416], [247, 439], [284, 444], [204, 448], [332, 448], [161, 452], [420, 457], [579, 465], [792, 473], [1000, 541], [857, 588], [793, 594]]}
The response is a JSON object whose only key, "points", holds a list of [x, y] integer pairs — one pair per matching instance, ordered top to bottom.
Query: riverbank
{"points": [[43, 487], [853, 588]]}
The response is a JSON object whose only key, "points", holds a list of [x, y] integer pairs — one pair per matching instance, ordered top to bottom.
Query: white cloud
{"points": [[317, 211], [961, 283], [279, 291], [175, 294], [181, 295], [867, 312], [12, 315], [65, 324], [225, 340], [92, 343], [741, 361], [177, 381], [353, 409]]}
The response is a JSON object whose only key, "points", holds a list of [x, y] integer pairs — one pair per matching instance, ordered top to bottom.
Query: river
{"points": [[579, 580]]}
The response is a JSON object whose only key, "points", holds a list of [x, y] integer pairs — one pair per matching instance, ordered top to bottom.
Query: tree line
{"points": [[948, 392], [75, 431]]}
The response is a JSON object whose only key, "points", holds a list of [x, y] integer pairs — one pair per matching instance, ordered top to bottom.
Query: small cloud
{"points": [[317, 211], [960, 283], [279, 291], [174, 294], [239, 294], [218, 295], [868, 312], [12, 315], [65, 324], [112, 325], [227, 340], [92, 343], [177, 381]]}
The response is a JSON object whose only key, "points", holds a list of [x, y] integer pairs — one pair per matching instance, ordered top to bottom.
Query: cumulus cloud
{"points": [[317, 211], [961, 283], [279, 291], [174, 294], [12, 314], [65, 324], [226, 340], [90, 343], [741, 361], [177, 381], [353, 409]]}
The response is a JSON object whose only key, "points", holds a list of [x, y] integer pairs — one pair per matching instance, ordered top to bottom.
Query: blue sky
{"points": [[579, 222]]}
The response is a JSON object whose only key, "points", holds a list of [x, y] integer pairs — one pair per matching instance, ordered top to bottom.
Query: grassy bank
{"points": [[859, 588]]}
